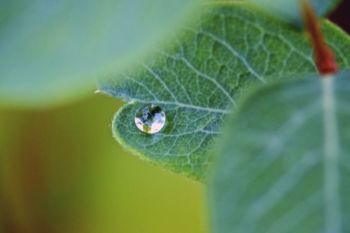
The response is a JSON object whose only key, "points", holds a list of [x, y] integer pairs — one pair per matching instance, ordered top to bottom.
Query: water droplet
{"points": [[150, 119]]}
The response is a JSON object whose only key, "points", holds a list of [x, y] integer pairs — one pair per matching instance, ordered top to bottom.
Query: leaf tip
{"points": [[98, 91]]}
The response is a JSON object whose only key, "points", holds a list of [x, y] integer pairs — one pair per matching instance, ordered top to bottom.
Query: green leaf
{"points": [[289, 10], [52, 51], [200, 76], [284, 164]]}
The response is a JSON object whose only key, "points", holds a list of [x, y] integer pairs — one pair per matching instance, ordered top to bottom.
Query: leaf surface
{"points": [[52, 51], [201, 76], [284, 162]]}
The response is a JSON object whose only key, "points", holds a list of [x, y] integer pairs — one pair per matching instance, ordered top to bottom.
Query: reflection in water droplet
{"points": [[150, 119]]}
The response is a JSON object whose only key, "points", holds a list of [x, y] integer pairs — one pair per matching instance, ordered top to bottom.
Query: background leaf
{"points": [[289, 10], [53, 51], [200, 76], [284, 164]]}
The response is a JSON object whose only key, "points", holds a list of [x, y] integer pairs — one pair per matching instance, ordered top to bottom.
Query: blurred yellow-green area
{"points": [[62, 171]]}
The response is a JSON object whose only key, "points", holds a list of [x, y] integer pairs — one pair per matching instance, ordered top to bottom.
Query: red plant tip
{"points": [[323, 55]]}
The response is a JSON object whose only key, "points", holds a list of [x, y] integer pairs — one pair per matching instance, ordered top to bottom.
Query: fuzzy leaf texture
{"points": [[53, 51], [199, 78], [285, 166]]}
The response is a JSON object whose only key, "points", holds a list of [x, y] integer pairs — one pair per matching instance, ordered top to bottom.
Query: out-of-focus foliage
{"points": [[289, 10], [51, 51], [284, 163], [61, 171]]}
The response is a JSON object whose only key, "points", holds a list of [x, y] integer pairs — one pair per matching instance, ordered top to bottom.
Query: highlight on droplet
{"points": [[150, 119]]}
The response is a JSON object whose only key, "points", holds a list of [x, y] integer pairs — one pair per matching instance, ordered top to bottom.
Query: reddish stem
{"points": [[323, 55]]}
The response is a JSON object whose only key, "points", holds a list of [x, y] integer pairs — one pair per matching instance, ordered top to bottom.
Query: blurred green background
{"points": [[61, 171]]}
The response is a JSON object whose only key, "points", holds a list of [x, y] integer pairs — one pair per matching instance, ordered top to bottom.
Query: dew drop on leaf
{"points": [[150, 119]]}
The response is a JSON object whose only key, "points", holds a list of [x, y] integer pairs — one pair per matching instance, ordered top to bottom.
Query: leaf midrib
{"points": [[333, 223]]}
